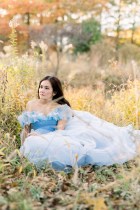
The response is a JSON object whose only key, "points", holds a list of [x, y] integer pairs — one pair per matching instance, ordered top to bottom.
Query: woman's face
{"points": [[46, 90]]}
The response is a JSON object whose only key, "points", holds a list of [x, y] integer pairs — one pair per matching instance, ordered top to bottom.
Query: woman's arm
{"points": [[27, 128], [25, 132]]}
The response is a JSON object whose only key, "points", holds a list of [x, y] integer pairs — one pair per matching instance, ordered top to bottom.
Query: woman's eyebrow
{"points": [[44, 86]]}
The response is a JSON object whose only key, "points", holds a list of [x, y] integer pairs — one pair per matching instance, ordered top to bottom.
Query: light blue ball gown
{"points": [[85, 140]]}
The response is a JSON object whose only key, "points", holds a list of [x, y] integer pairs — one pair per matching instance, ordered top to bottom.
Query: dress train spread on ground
{"points": [[85, 140]]}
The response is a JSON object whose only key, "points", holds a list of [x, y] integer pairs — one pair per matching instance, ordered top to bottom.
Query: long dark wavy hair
{"points": [[57, 89]]}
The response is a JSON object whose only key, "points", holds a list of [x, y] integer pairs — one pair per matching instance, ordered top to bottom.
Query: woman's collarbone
{"points": [[44, 110]]}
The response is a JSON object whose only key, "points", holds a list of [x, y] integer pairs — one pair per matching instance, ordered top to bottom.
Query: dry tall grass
{"points": [[24, 188], [99, 188]]}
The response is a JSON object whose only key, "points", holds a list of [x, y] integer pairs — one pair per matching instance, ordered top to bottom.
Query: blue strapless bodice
{"points": [[45, 123], [44, 126]]}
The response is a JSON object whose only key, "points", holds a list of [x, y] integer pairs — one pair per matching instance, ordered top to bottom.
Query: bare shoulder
{"points": [[31, 104]]}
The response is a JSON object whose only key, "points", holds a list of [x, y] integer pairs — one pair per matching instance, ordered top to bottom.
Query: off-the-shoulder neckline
{"points": [[46, 115]]}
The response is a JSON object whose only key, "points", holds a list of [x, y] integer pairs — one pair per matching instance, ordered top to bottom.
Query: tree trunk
{"points": [[28, 17], [41, 19], [118, 26], [118, 29], [133, 29], [58, 61]]}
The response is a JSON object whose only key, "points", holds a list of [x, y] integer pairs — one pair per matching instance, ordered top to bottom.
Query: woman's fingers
{"points": [[33, 134]]}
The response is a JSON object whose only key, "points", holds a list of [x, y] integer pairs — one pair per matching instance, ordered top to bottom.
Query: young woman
{"points": [[54, 133]]}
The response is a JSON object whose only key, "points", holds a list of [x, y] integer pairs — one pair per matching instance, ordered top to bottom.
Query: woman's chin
{"points": [[42, 97], [45, 98]]}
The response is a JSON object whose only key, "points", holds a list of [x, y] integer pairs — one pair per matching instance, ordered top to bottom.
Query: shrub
{"points": [[88, 35]]}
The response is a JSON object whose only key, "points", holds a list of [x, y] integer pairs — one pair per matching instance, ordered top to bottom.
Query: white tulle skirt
{"points": [[86, 140]]}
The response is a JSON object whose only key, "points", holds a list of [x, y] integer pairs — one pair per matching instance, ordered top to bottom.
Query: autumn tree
{"points": [[44, 11], [39, 12], [125, 15], [133, 16]]}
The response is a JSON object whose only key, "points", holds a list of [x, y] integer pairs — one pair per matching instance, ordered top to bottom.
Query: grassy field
{"points": [[92, 187]]}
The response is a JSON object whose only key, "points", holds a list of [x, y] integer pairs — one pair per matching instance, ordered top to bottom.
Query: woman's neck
{"points": [[46, 102]]}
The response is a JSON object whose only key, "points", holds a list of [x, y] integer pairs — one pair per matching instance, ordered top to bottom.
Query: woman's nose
{"points": [[41, 91]]}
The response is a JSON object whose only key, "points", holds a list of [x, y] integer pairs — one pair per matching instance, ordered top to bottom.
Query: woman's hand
{"points": [[61, 124], [27, 128], [33, 134]]}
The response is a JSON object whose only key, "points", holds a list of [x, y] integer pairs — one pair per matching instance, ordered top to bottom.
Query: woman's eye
{"points": [[41, 87]]}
